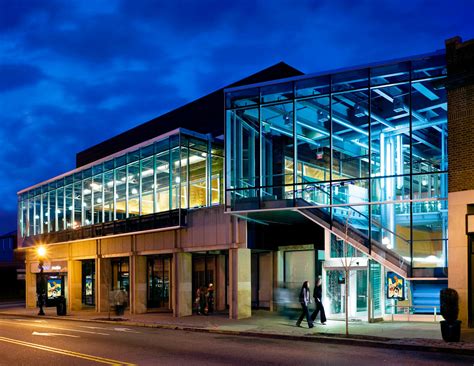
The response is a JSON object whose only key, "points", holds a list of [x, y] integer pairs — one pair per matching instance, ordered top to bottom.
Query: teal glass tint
{"points": [[313, 141]]}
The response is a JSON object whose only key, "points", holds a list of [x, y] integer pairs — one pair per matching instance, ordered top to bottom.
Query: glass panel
{"points": [[430, 66], [389, 74], [353, 79], [312, 87], [276, 92], [242, 98], [429, 126], [313, 127], [390, 130], [350, 135], [243, 145], [277, 146], [176, 178], [197, 178], [133, 179], [217, 180], [163, 181], [184, 181], [147, 186], [430, 186], [97, 187], [391, 189], [121, 193], [108, 196], [87, 203], [78, 204], [69, 206], [61, 209], [52, 211], [44, 213], [31, 216], [37, 216], [391, 227], [430, 228], [376, 278]]}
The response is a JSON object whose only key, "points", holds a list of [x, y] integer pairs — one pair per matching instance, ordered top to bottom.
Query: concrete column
{"points": [[104, 276], [30, 281], [220, 283], [240, 283], [74, 284], [182, 284], [139, 298]]}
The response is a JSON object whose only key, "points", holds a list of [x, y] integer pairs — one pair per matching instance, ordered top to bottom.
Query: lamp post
{"points": [[41, 288]]}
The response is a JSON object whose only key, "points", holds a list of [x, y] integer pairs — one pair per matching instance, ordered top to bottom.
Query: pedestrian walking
{"points": [[318, 293], [210, 298], [203, 300], [305, 300], [197, 301]]}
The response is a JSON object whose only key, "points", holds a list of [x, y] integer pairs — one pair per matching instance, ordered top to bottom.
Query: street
{"points": [[29, 341]]}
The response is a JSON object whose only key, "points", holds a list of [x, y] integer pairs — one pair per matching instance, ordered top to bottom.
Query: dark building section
{"points": [[460, 86], [204, 115], [12, 269]]}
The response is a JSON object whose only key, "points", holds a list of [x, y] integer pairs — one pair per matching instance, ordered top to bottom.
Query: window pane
{"points": [[389, 74], [312, 87], [276, 92], [429, 126], [313, 127], [390, 130], [350, 135], [277, 147], [197, 178], [133, 180], [217, 180], [163, 181], [147, 185], [97, 187], [121, 193], [108, 196], [87, 204], [69, 206], [61, 209], [45, 213], [77, 218]]}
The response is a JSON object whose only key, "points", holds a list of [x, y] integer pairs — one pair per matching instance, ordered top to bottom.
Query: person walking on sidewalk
{"points": [[318, 292], [305, 300]]}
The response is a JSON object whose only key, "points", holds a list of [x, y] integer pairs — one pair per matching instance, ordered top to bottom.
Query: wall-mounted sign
{"points": [[56, 266], [395, 286]]}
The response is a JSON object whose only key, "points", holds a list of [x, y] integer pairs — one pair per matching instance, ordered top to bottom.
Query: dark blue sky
{"points": [[74, 73]]}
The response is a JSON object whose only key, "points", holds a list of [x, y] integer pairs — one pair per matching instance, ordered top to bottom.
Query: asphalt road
{"points": [[28, 341]]}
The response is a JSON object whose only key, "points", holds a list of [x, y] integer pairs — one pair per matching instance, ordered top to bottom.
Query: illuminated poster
{"points": [[88, 285], [395, 286], [54, 287]]}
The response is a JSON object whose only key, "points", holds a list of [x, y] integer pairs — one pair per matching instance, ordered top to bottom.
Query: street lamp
{"points": [[41, 288]]}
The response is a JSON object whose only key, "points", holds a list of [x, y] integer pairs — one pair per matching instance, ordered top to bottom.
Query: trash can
{"points": [[61, 306]]}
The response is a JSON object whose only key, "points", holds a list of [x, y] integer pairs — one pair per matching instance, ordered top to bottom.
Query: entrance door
{"points": [[159, 282], [358, 293]]}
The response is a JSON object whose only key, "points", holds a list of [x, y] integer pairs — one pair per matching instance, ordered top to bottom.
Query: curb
{"points": [[355, 340]]}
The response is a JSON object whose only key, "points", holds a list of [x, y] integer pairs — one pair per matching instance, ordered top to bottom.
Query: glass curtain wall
{"points": [[368, 146], [182, 171]]}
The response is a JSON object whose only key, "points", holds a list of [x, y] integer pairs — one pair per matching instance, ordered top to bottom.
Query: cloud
{"points": [[14, 76]]}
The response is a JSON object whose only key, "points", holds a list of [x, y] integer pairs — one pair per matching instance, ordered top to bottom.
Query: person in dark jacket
{"points": [[318, 292], [305, 300]]}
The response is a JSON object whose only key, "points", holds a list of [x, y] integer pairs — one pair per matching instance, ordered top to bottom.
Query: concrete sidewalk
{"points": [[401, 335]]}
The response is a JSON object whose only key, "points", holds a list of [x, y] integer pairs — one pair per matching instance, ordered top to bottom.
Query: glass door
{"points": [[159, 282]]}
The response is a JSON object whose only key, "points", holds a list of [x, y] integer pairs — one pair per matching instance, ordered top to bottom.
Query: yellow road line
{"points": [[66, 352]]}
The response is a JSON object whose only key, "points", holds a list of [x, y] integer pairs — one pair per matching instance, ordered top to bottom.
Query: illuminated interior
{"points": [[369, 144]]}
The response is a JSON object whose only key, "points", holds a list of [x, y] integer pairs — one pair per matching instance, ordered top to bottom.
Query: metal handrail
{"points": [[435, 309]]}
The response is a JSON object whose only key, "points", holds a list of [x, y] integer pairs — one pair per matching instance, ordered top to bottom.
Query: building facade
{"points": [[266, 197]]}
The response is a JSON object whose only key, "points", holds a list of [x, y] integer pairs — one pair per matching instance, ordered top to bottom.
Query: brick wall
{"points": [[460, 86]]}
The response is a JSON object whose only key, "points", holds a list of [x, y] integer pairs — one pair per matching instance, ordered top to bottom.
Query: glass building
{"points": [[364, 148], [143, 188]]}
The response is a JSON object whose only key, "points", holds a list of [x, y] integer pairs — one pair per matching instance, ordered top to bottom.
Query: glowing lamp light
{"points": [[386, 241], [41, 250]]}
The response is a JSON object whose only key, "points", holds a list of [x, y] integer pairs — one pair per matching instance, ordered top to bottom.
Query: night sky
{"points": [[74, 73]]}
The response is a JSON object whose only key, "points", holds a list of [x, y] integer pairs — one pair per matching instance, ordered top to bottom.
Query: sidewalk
{"points": [[419, 336]]}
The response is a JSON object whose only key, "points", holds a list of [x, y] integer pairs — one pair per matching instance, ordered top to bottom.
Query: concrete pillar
{"points": [[104, 275], [30, 281], [220, 283], [240, 283], [74, 284], [182, 284], [139, 296]]}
